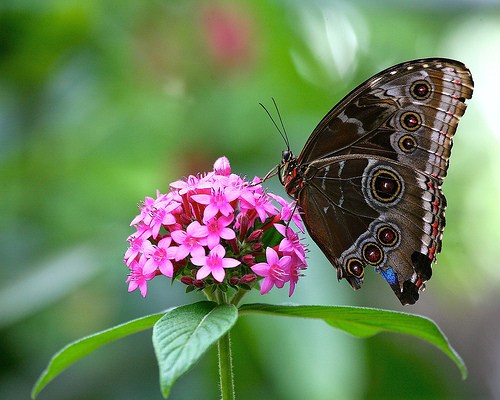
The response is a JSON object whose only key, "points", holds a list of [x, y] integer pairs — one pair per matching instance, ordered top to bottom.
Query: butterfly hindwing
{"points": [[395, 231]]}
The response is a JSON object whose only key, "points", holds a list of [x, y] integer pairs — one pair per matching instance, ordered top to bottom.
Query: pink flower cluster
{"points": [[216, 229]]}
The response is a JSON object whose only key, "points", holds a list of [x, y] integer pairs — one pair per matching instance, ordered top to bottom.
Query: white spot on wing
{"points": [[354, 121], [341, 167], [327, 169]]}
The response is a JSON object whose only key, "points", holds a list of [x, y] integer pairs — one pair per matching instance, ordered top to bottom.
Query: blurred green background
{"points": [[103, 102]]}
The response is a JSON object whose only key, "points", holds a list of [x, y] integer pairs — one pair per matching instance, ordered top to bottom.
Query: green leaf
{"points": [[271, 237], [365, 322], [185, 333], [82, 347]]}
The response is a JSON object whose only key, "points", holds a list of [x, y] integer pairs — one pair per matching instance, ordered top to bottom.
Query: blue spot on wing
{"points": [[389, 275]]}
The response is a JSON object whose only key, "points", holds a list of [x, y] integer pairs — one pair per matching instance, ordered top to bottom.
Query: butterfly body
{"points": [[369, 178]]}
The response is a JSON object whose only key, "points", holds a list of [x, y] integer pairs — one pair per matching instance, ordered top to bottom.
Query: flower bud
{"points": [[222, 167], [185, 219], [243, 221], [174, 227], [255, 235], [234, 245], [257, 246], [248, 259], [248, 278], [187, 280], [234, 280], [199, 283]]}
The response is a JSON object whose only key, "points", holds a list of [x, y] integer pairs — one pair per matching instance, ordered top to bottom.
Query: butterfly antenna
{"points": [[282, 133]]}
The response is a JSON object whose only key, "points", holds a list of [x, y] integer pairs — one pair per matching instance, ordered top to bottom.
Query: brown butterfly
{"points": [[368, 180]]}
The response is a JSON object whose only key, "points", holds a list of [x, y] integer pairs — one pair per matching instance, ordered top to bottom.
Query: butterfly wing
{"points": [[421, 99], [372, 170], [397, 231]]}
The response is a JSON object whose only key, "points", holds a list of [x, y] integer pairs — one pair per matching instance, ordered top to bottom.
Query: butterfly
{"points": [[368, 180]]}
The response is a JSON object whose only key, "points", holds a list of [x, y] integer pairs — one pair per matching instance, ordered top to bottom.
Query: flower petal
{"points": [[201, 198], [210, 212], [227, 233], [179, 236], [213, 241], [183, 251], [197, 251], [218, 251], [271, 256], [200, 261], [230, 262], [149, 267], [166, 268], [261, 269], [203, 272], [218, 273], [266, 285], [143, 287]]}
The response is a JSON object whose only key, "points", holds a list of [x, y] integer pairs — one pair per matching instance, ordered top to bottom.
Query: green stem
{"points": [[210, 295], [238, 296], [220, 297], [224, 352], [226, 368]]}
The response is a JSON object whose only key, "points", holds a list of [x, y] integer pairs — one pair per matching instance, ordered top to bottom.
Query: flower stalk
{"points": [[226, 368]]}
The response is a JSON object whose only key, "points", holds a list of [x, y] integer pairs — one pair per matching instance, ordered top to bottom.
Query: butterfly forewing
{"points": [[421, 99], [369, 177]]}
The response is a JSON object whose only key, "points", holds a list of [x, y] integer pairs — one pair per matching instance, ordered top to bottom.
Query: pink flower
{"points": [[222, 167], [234, 181], [190, 185], [218, 201], [257, 201], [145, 207], [288, 211], [159, 215], [216, 229], [186, 233], [191, 241], [291, 242], [136, 246], [158, 257], [214, 264], [276, 271], [294, 274], [137, 278]]}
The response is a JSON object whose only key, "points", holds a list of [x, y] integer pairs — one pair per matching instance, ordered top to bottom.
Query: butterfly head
{"points": [[286, 156], [286, 165], [289, 174]]}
